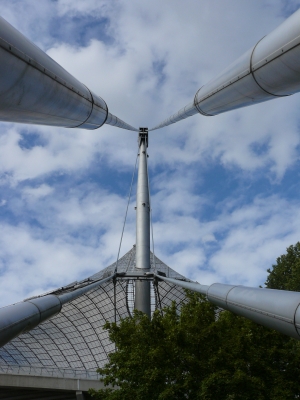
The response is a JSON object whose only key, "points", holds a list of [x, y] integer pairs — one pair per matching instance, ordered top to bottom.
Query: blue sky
{"points": [[225, 189]]}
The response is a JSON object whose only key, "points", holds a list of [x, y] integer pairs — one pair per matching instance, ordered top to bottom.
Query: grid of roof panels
{"points": [[75, 338]]}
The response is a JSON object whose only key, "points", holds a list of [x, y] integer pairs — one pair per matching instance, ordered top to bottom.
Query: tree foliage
{"points": [[285, 274], [202, 354]]}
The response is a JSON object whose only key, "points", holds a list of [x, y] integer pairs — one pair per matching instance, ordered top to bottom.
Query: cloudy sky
{"points": [[225, 189]]}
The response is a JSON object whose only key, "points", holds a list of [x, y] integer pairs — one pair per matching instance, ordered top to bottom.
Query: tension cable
{"points": [[129, 197]]}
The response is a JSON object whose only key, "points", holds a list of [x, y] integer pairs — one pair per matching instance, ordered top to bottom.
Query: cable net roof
{"points": [[75, 339]]}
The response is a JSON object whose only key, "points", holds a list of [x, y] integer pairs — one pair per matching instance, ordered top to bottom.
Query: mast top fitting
{"points": [[143, 135]]}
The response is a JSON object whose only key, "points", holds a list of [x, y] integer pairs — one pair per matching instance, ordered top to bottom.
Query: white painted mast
{"points": [[142, 286]]}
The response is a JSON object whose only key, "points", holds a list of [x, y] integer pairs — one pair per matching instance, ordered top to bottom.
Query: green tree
{"points": [[285, 274], [202, 354], [154, 359]]}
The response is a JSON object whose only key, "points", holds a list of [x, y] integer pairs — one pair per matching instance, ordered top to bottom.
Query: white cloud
{"points": [[36, 192], [245, 241]]}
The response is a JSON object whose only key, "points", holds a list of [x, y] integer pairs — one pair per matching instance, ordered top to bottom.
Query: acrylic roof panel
{"points": [[75, 339]]}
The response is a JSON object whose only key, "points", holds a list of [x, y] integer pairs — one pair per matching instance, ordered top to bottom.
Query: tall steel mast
{"points": [[142, 286]]}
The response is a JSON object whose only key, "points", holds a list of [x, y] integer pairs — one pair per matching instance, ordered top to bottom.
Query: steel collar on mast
{"points": [[143, 135]]}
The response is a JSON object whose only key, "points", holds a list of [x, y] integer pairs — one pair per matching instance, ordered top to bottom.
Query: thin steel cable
{"points": [[129, 196], [153, 254], [115, 302], [115, 305]]}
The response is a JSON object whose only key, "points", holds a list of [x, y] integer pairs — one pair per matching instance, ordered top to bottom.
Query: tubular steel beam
{"points": [[269, 70], [34, 89], [142, 287], [275, 309], [26, 315]]}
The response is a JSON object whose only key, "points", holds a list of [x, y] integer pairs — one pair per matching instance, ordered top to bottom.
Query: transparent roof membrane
{"points": [[74, 339]]}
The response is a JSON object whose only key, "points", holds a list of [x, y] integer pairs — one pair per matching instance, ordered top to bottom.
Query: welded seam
{"points": [[279, 55], [253, 76], [197, 104], [91, 112], [105, 119], [226, 298], [295, 324]]}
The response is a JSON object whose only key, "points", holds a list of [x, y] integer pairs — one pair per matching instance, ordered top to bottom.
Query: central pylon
{"points": [[142, 300]]}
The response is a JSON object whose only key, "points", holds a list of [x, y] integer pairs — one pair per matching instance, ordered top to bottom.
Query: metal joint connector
{"points": [[143, 136]]}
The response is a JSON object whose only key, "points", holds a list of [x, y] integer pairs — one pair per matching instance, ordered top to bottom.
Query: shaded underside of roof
{"points": [[75, 339], [33, 394]]}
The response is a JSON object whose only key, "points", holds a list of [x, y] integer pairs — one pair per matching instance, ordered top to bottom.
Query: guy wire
{"points": [[129, 196]]}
